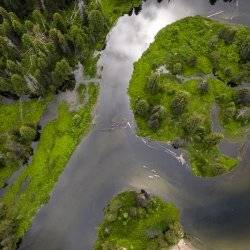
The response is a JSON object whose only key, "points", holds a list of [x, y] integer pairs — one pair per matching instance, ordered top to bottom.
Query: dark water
{"points": [[112, 158]]}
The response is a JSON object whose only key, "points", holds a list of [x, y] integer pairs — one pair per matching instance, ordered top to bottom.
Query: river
{"points": [[216, 211]]}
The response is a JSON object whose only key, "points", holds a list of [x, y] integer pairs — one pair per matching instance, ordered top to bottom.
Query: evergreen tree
{"points": [[61, 73]]}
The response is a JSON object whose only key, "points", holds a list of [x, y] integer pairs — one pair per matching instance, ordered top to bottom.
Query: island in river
{"points": [[194, 66], [139, 221]]}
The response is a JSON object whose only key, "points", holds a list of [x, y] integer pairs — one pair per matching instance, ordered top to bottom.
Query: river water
{"points": [[216, 211]]}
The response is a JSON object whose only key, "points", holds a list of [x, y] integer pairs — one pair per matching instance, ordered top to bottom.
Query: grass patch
{"points": [[177, 105], [128, 224]]}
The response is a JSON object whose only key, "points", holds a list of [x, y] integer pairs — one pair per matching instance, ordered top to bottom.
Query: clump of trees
{"points": [[39, 51]]}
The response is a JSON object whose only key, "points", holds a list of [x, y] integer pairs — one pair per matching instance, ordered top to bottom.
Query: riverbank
{"points": [[192, 64], [58, 141], [139, 221]]}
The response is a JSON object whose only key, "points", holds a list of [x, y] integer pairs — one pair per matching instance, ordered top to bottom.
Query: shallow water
{"points": [[112, 158]]}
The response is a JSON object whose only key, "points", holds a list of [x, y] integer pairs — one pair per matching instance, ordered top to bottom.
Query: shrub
{"points": [[227, 34], [213, 42], [245, 50], [215, 58], [191, 61], [177, 69], [18, 84], [153, 84], [203, 87], [179, 103], [142, 108], [230, 111], [158, 112], [154, 124], [191, 124], [27, 134], [212, 139], [2, 160], [171, 237], [8, 239]]}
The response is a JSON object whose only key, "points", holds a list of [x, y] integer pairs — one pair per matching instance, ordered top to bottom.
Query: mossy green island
{"points": [[194, 67], [139, 221]]}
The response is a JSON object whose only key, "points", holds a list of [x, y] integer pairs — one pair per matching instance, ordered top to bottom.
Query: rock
{"points": [[178, 143], [143, 199]]}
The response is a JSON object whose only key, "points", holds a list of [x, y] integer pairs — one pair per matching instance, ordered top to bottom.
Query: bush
{"points": [[227, 34], [213, 42], [245, 50], [215, 58], [191, 61], [177, 69], [18, 84], [153, 84], [203, 87], [179, 103], [142, 108], [230, 111], [158, 112], [154, 124], [191, 124], [27, 134], [212, 139], [2, 160], [8, 239]]}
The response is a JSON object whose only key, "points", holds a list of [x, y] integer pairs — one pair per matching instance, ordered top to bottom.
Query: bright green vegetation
{"points": [[116, 8], [41, 42], [204, 59], [17, 130], [58, 141], [133, 221]]}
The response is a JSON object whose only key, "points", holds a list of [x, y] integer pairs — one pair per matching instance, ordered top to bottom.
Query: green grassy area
{"points": [[116, 8], [201, 60], [13, 117], [58, 141], [130, 224]]}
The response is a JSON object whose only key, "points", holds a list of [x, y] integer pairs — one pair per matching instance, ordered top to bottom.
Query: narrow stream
{"points": [[112, 158]]}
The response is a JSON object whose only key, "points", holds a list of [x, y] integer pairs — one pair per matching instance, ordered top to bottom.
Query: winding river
{"points": [[216, 211]]}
